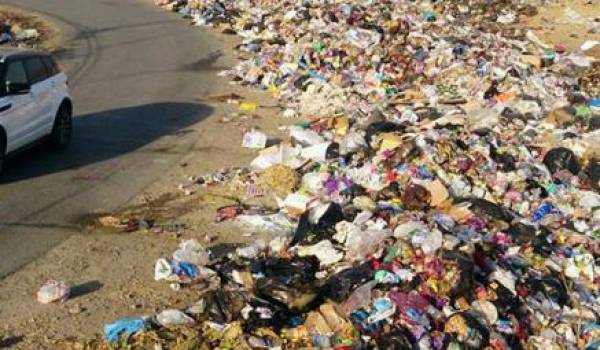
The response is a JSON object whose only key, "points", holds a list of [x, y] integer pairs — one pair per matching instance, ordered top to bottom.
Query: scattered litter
{"points": [[254, 139], [52, 291], [124, 328]]}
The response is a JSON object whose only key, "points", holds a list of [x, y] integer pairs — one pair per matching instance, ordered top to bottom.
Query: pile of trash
{"points": [[16, 31], [444, 194]]}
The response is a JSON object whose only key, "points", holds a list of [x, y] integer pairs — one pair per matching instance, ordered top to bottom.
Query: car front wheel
{"points": [[62, 129]]}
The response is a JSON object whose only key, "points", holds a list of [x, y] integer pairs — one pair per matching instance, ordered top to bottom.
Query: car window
{"points": [[51, 65], [36, 70], [15, 73]]}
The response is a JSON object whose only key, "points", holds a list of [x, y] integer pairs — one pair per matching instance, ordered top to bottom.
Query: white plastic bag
{"points": [[254, 139], [191, 251], [52, 291], [172, 317]]}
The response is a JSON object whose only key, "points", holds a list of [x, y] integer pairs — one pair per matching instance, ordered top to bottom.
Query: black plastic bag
{"points": [[428, 113], [510, 113], [594, 123], [381, 127], [482, 132], [333, 151], [562, 158], [505, 161], [592, 172], [532, 185], [392, 191], [482, 206], [332, 216], [302, 230], [308, 233], [521, 233], [541, 244], [295, 272], [290, 282], [339, 286], [464, 287], [552, 288], [293, 297], [224, 306], [279, 319], [479, 334], [397, 339]]}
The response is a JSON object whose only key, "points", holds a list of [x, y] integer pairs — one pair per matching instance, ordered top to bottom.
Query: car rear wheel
{"points": [[62, 129]]}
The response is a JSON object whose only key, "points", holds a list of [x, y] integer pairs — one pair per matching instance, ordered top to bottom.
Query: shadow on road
{"points": [[105, 135], [85, 288]]}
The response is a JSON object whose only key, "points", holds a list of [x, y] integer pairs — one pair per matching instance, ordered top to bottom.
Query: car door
{"points": [[57, 82], [41, 90], [16, 110]]}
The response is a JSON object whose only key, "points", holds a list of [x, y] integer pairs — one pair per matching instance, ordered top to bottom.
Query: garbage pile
{"points": [[15, 32], [443, 195]]}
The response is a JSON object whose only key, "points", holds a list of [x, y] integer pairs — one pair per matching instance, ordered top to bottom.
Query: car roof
{"points": [[8, 51]]}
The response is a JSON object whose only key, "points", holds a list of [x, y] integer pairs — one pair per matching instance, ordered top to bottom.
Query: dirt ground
{"points": [[568, 23], [112, 271]]}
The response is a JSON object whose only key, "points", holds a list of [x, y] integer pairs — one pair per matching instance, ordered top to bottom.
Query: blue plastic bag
{"points": [[125, 326]]}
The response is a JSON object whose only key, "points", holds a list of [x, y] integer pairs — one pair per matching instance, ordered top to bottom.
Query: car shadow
{"points": [[105, 135]]}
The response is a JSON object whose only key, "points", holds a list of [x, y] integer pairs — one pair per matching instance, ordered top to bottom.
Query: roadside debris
{"points": [[19, 30], [254, 139], [443, 193], [52, 291], [124, 328]]}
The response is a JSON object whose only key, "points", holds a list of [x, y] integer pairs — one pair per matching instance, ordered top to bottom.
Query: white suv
{"points": [[34, 102]]}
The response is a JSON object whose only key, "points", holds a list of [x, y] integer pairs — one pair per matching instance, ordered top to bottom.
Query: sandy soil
{"points": [[568, 23]]}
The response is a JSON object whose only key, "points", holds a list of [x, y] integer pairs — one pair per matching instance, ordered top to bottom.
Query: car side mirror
{"points": [[17, 88]]}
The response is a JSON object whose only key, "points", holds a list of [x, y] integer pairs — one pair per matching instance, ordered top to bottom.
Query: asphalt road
{"points": [[134, 72]]}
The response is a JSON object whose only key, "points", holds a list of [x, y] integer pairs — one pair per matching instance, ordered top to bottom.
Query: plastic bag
{"points": [[381, 127], [306, 136], [561, 158], [483, 207], [360, 244], [324, 251], [193, 252], [289, 281], [339, 286], [52, 291], [360, 298], [223, 306], [173, 317], [124, 327]]}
